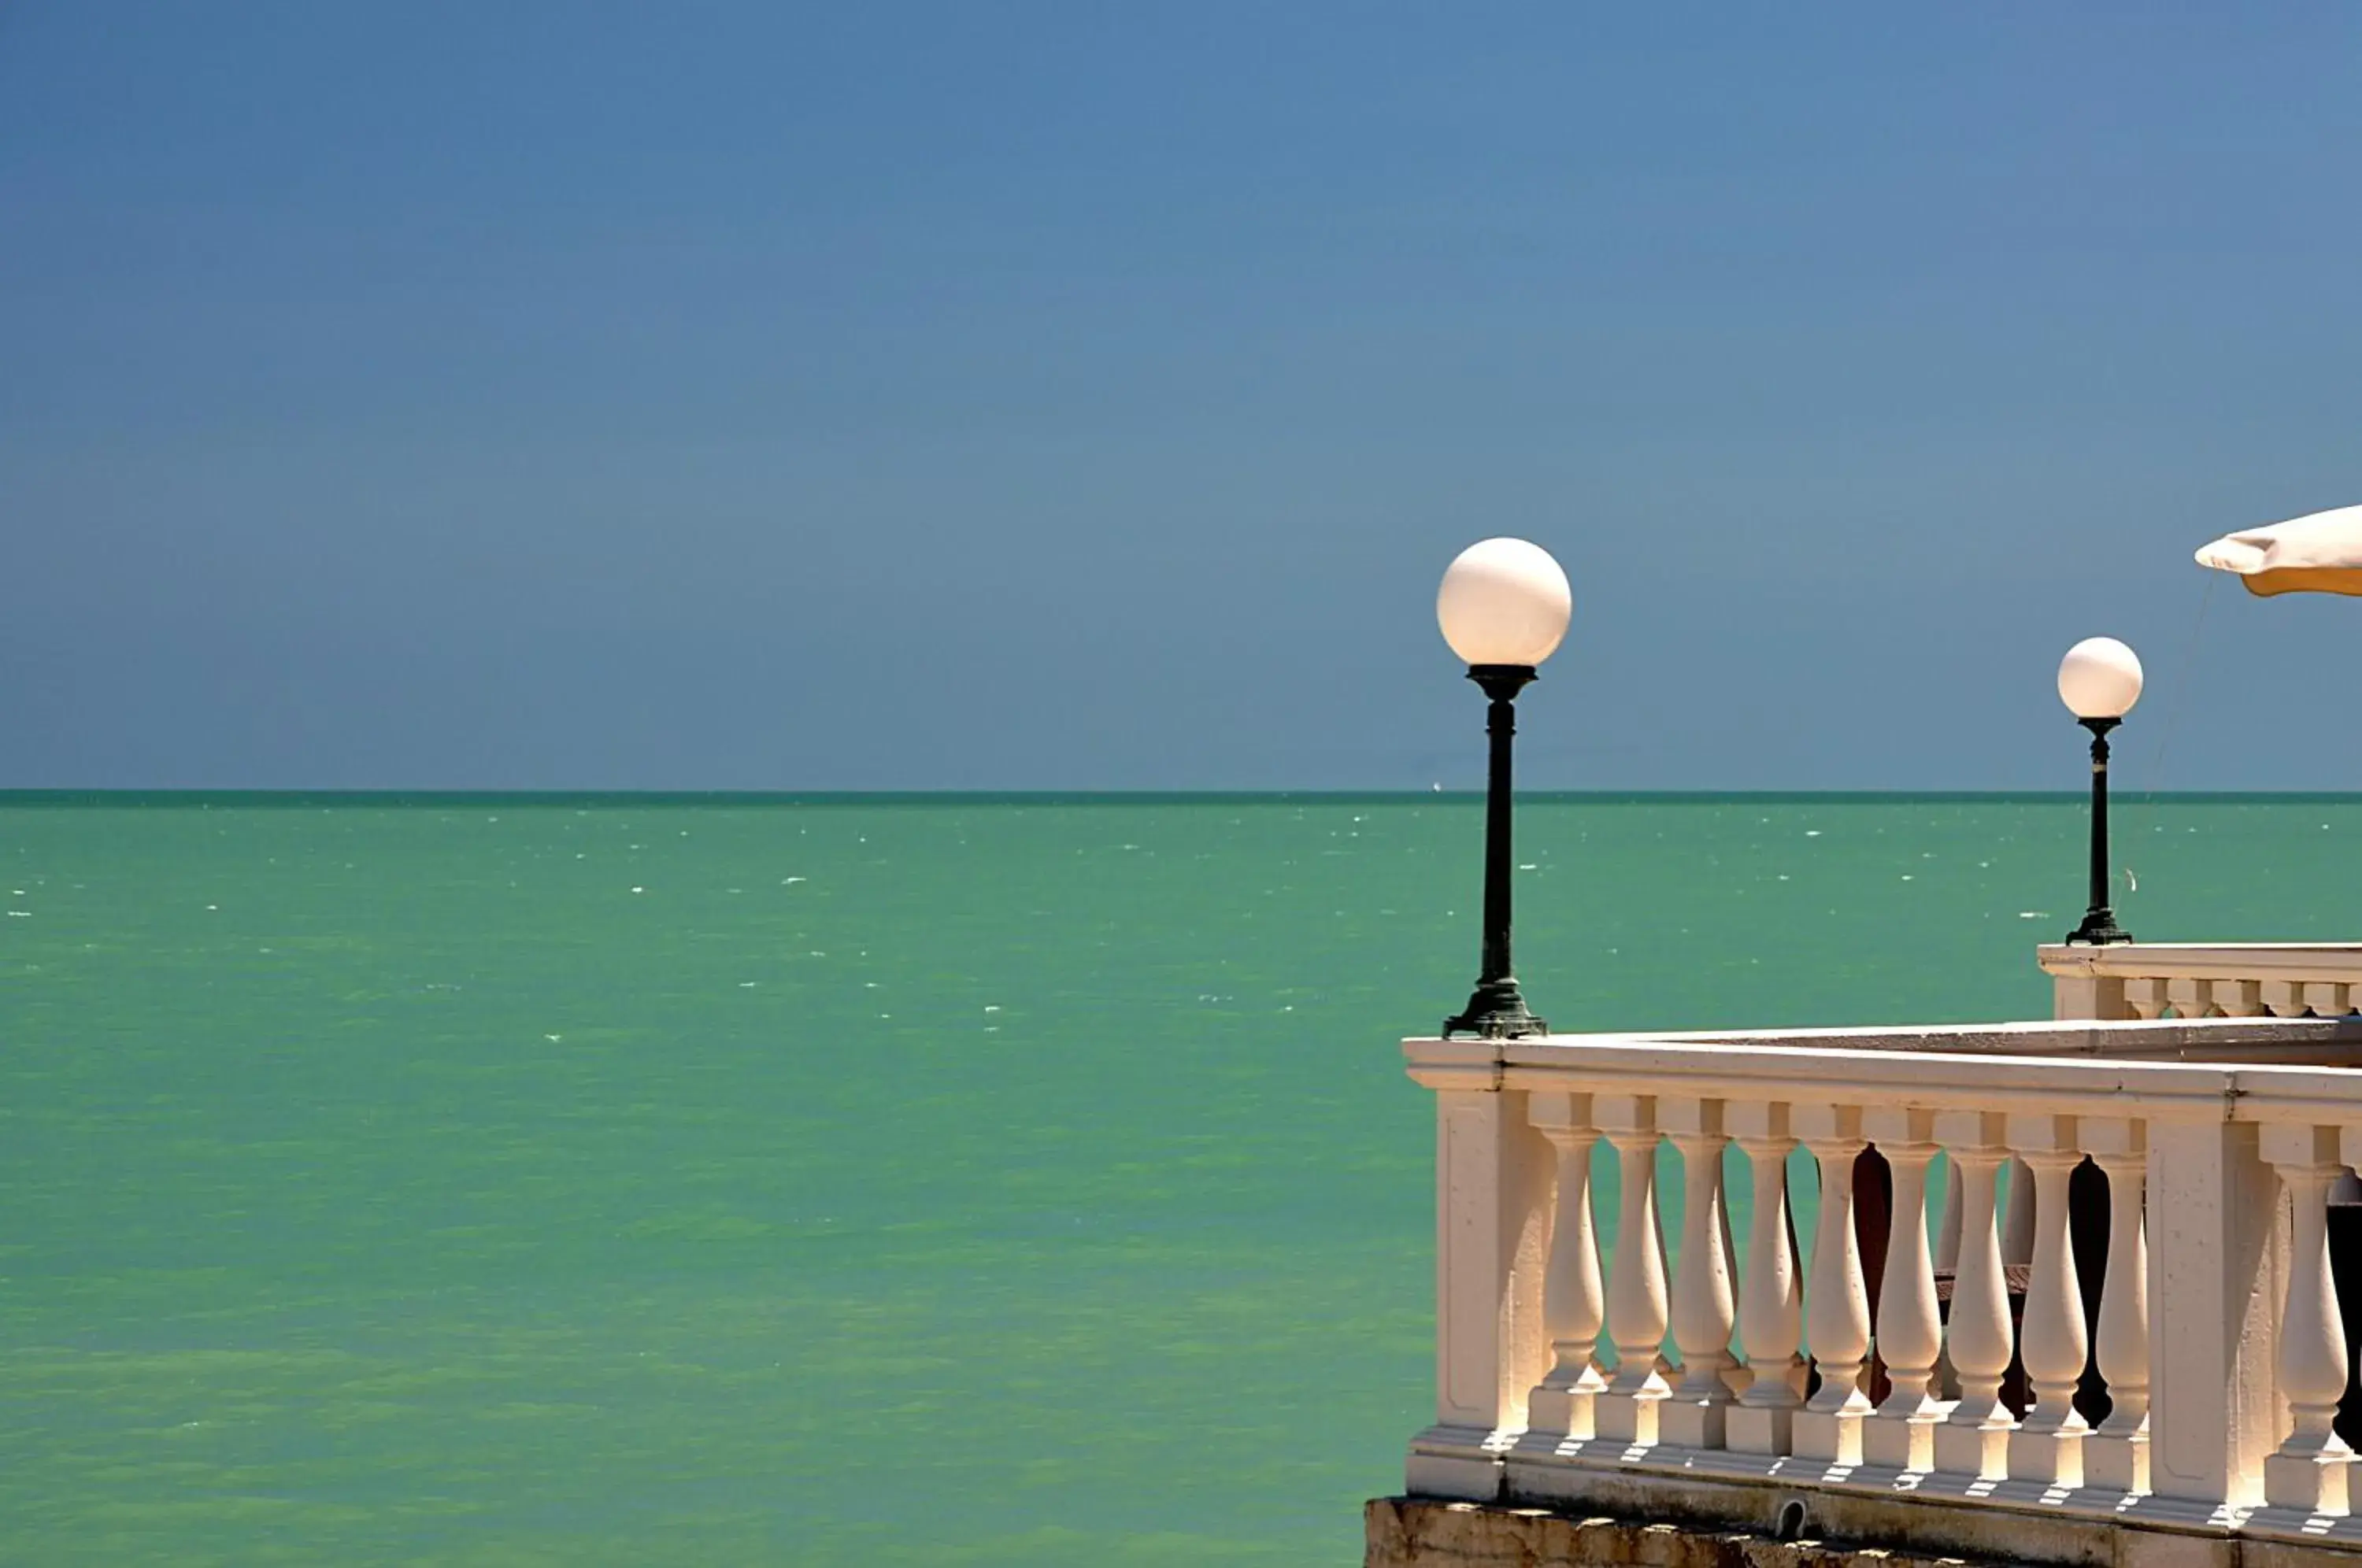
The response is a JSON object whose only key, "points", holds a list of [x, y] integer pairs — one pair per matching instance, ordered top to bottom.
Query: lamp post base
{"points": [[2099, 930], [1496, 1011]]}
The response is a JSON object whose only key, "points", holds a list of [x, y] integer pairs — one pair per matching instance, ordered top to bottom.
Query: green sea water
{"points": [[719, 1180]]}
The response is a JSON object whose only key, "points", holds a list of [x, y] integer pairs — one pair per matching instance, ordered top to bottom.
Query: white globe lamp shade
{"points": [[1504, 602], [2100, 679]]}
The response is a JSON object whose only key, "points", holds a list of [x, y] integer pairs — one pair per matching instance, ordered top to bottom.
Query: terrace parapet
{"points": [[2175, 979], [1999, 1373]]}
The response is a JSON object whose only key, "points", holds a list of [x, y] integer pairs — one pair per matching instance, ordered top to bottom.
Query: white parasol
{"points": [[2319, 553]]}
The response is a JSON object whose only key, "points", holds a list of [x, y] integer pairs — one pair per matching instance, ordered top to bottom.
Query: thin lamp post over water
{"points": [[1504, 607], [2100, 679]]}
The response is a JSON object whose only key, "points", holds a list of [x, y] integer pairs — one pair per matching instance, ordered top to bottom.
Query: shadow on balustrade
{"points": [[2087, 1212]]}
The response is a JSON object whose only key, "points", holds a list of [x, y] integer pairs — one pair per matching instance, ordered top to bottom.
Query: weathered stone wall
{"points": [[1412, 1532], [1408, 1533]]}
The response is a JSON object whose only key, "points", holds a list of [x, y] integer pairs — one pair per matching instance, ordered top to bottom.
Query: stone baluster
{"points": [[2144, 996], [2189, 998], [2282, 998], [2327, 998], [2238, 999], [1771, 1299], [1573, 1306], [1626, 1410], [1692, 1417], [1828, 1429], [1902, 1432], [1973, 1441], [2048, 1447], [2115, 1456], [2309, 1471]]}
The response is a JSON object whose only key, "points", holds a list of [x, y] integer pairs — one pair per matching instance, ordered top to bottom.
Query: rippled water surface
{"points": [[614, 1180]]}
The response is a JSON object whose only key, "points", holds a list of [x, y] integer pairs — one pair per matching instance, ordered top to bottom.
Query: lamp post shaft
{"points": [[2099, 818], [1500, 819], [2099, 927], [1496, 1009]]}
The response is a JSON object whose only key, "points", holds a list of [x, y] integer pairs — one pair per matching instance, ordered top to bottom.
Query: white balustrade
{"points": [[2145, 979], [2236, 999], [1494, 1176], [1771, 1297], [1837, 1302], [1574, 1310], [2221, 1347], [1626, 1409], [1691, 1414], [1901, 1432], [1973, 1441], [2048, 1447], [2115, 1456], [2308, 1472]]}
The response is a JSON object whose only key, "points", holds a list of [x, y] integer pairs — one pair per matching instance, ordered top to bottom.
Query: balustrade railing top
{"points": [[2233, 979], [1990, 1365]]}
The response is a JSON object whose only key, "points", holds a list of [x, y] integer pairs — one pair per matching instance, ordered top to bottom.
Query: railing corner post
{"points": [[2092, 996], [1495, 1179], [2212, 1412]]}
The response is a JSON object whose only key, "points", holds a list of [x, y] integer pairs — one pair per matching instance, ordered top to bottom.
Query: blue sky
{"points": [[1089, 395]]}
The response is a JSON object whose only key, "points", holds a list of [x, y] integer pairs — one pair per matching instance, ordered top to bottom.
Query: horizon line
{"points": [[47, 797]]}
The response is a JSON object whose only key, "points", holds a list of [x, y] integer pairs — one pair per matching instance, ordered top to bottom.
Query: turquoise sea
{"points": [[934, 1180]]}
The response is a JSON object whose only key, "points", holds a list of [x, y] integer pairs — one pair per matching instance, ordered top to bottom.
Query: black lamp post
{"points": [[1504, 606], [2100, 679]]}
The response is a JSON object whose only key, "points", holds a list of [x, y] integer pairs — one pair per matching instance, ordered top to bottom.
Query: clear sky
{"points": [[1032, 395]]}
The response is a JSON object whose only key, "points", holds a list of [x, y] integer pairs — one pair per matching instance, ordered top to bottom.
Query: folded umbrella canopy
{"points": [[2319, 554]]}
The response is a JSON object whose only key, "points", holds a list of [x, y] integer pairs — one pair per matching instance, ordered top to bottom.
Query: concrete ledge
{"points": [[1868, 1509], [1412, 1532], [1424, 1532]]}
